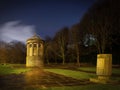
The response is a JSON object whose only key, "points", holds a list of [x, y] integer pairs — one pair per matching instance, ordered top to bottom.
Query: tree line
{"points": [[97, 32], [13, 52]]}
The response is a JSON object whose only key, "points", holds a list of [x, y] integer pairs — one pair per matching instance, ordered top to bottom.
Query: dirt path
{"points": [[37, 79]]}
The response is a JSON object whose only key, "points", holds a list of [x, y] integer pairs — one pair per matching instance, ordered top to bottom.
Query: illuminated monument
{"points": [[35, 49], [104, 69]]}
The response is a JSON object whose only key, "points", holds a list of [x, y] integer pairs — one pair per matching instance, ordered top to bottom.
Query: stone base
{"points": [[34, 61], [96, 80], [103, 80]]}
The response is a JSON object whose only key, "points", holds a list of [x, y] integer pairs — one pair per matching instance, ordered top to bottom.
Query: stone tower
{"points": [[35, 49]]}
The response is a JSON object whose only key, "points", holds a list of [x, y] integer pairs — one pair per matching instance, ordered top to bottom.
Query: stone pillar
{"points": [[37, 49], [32, 50], [41, 50], [104, 66]]}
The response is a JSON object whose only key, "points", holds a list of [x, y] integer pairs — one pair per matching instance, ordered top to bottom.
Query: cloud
{"points": [[14, 30]]}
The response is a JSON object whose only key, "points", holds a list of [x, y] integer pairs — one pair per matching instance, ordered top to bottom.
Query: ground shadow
{"points": [[37, 78]]}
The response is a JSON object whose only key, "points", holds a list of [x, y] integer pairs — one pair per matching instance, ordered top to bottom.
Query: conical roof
{"points": [[35, 37]]}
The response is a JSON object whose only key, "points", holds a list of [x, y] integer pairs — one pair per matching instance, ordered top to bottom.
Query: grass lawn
{"points": [[10, 69], [93, 69], [73, 74], [83, 75], [86, 87]]}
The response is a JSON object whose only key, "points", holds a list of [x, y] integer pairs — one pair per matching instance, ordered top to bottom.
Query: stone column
{"points": [[37, 49], [32, 50], [104, 66]]}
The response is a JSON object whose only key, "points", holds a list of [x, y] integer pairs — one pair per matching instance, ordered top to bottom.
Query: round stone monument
{"points": [[35, 49]]}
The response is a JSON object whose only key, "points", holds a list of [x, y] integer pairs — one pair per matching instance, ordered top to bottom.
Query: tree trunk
{"points": [[78, 56], [63, 57], [48, 61]]}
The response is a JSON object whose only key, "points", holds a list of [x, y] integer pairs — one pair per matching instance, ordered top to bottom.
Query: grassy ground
{"points": [[12, 69], [17, 69], [93, 69], [73, 74], [84, 75], [86, 87]]}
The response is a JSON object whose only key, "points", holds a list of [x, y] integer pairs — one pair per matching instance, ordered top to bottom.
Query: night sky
{"points": [[20, 19]]}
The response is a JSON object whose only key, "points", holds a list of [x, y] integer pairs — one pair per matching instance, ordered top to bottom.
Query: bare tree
{"points": [[102, 21], [77, 37], [61, 41], [76, 42], [48, 49], [4, 52], [13, 52]]}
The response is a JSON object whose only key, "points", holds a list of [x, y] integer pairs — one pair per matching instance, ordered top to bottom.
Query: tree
{"points": [[102, 21], [61, 40], [77, 40], [47, 49], [3, 52], [14, 52], [18, 52]]}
